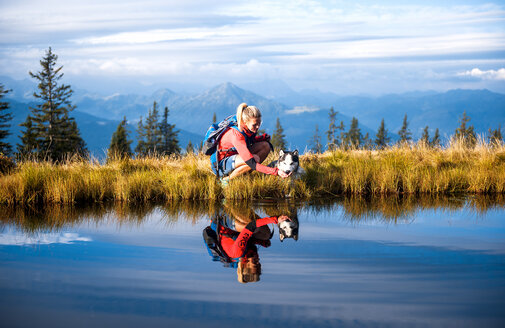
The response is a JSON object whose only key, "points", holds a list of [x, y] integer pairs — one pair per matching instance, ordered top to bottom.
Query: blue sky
{"points": [[345, 47]]}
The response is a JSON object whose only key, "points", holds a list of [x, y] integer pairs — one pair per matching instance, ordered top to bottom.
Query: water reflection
{"points": [[390, 209], [235, 233], [354, 264]]}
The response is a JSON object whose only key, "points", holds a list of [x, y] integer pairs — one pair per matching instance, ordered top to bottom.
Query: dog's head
{"points": [[288, 161], [289, 229]]}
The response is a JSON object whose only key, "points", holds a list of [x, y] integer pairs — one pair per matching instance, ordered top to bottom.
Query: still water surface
{"points": [[357, 262]]}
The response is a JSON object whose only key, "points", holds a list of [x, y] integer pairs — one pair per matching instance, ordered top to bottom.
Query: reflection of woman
{"points": [[238, 241]]}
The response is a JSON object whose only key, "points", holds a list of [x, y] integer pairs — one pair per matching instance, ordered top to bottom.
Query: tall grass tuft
{"points": [[411, 169]]}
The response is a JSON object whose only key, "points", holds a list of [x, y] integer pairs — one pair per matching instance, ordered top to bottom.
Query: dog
{"points": [[288, 162], [289, 229]]}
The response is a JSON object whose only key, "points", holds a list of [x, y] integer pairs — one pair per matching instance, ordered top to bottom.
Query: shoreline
{"points": [[409, 169]]}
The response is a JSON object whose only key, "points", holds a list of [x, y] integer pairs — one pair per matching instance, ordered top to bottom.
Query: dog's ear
{"points": [[281, 152], [295, 152], [281, 236], [295, 237]]}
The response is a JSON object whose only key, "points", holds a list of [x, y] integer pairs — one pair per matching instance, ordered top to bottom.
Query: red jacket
{"points": [[234, 139], [235, 244]]}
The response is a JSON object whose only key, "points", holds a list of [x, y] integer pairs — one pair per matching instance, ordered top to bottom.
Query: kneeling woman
{"points": [[240, 150]]}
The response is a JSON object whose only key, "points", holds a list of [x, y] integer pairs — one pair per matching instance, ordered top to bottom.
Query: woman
{"points": [[240, 150], [240, 240]]}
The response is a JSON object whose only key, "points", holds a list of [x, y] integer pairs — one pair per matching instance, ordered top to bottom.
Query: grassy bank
{"points": [[410, 169], [354, 209]]}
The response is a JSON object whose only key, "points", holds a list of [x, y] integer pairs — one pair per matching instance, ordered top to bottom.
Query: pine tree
{"points": [[5, 117], [214, 118], [152, 130], [332, 130], [404, 133], [464, 133], [54, 134], [169, 136], [354, 136], [495, 137], [278, 138], [342, 138], [381, 138], [425, 138], [436, 139], [367, 141], [315, 142], [28, 144], [119, 144], [141, 148], [189, 148]]}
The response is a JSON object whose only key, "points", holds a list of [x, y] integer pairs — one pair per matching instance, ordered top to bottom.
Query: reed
{"points": [[412, 169]]}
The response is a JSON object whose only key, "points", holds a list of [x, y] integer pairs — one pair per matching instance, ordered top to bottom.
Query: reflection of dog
{"points": [[288, 162], [289, 228]]}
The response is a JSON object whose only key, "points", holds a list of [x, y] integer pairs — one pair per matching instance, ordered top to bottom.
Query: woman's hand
{"points": [[283, 174], [282, 218]]}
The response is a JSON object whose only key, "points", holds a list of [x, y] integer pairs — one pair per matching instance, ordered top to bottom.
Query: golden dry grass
{"points": [[407, 169]]}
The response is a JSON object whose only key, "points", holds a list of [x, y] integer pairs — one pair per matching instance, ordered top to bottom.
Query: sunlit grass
{"points": [[408, 169]]}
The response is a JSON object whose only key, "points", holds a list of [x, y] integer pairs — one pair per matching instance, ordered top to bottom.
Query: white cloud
{"points": [[310, 42], [497, 75], [302, 109], [20, 239]]}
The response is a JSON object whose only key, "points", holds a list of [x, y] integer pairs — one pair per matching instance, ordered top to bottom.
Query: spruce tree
{"points": [[5, 117], [214, 118], [341, 127], [152, 130], [332, 130], [55, 133], [404, 133], [465, 133], [169, 136], [354, 136], [495, 137], [278, 138], [381, 138], [425, 138], [436, 139], [367, 141], [315, 142], [28, 144], [119, 144], [141, 148], [189, 148]]}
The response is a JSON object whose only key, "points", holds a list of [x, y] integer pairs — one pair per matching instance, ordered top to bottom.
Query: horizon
{"points": [[363, 48], [150, 92]]}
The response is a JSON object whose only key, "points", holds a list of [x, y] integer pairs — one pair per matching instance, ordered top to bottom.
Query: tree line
{"points": [[51, 133], [338, 137]]}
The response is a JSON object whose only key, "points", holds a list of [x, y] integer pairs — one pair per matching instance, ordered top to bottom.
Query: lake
{"points": [[357, 262]]}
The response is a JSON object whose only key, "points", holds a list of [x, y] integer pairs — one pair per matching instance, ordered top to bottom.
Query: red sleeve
{"points": [[240, 145], [265, 221], [236, 248]]}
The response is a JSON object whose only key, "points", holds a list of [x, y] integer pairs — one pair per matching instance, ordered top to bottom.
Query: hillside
{"points": [[299, 112]]}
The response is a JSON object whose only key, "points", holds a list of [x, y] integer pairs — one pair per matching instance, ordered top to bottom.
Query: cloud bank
{"points": [[333, 45], [497, 75], [20, 239]]}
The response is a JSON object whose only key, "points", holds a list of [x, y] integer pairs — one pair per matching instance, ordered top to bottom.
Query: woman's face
{"points": [[253, 124]]}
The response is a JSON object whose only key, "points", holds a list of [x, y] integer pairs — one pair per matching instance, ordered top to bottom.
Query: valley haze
{"points": [[299, 112]]}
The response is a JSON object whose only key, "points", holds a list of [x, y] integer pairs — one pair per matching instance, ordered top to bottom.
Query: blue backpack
{"points": [[214, 134]]}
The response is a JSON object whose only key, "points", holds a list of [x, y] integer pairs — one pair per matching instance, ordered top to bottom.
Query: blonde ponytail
{"points": [[240, 110], [245, 113]]}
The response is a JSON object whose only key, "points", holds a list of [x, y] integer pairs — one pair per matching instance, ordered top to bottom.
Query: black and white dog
{"points": [[288, 162], [289, 228]]}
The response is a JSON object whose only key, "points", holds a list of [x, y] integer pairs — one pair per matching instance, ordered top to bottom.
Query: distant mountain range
{"points": [[299, 112]]}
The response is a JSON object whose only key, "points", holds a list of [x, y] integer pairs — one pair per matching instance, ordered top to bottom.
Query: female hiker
{"points": [[240, 150]]}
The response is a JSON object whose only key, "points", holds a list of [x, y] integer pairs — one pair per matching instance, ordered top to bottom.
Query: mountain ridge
{"points": [[193, 113]]}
